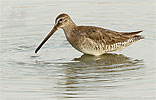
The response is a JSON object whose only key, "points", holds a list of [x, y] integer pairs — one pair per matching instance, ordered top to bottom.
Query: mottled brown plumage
{"points": [[90, 39]]}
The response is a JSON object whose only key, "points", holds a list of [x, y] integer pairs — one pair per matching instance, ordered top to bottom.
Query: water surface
{"points": [[58, 71]]}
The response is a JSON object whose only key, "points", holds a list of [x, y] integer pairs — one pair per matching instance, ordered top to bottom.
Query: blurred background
{"points": [[58, 71]]}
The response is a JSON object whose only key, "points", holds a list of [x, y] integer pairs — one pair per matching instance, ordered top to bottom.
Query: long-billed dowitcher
{"points": [[90, 39]]}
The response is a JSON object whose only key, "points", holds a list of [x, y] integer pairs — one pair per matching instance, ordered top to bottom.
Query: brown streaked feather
{"points": [[107, 36]]}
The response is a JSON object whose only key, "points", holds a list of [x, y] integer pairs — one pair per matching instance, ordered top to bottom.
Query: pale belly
{"points": [[99, 49]]}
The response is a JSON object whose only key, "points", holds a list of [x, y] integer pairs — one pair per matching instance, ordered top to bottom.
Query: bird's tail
{"points": [[132, 33], [138, 37]]}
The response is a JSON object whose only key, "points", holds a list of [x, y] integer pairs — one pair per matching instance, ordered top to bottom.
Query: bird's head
{"points": [[61, 21]]}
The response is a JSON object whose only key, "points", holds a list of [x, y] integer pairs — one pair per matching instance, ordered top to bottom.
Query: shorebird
{"points": [[90, 39]]}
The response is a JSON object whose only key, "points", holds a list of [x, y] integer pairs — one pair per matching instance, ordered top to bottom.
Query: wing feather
{"points": [[100, 34]]}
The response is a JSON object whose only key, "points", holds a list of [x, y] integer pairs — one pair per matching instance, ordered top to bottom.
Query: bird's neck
{"points": [[68, 29], [69, 33]]}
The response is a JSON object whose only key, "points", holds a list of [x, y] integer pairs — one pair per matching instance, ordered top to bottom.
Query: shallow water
{"points": [[58, 71]]}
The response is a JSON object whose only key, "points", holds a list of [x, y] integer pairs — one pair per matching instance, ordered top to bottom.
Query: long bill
{"points": [[47, 37]]}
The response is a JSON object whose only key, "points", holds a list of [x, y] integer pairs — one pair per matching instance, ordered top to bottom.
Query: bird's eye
{"points": [[60, 20]]}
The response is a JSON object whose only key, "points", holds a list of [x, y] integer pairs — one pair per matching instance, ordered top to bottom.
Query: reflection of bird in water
{"points": [[106, 59], [104, 62], [91, 73]]}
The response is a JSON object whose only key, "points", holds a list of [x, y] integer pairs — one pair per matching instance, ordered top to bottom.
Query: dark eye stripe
{"points": [[60, 20]]}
